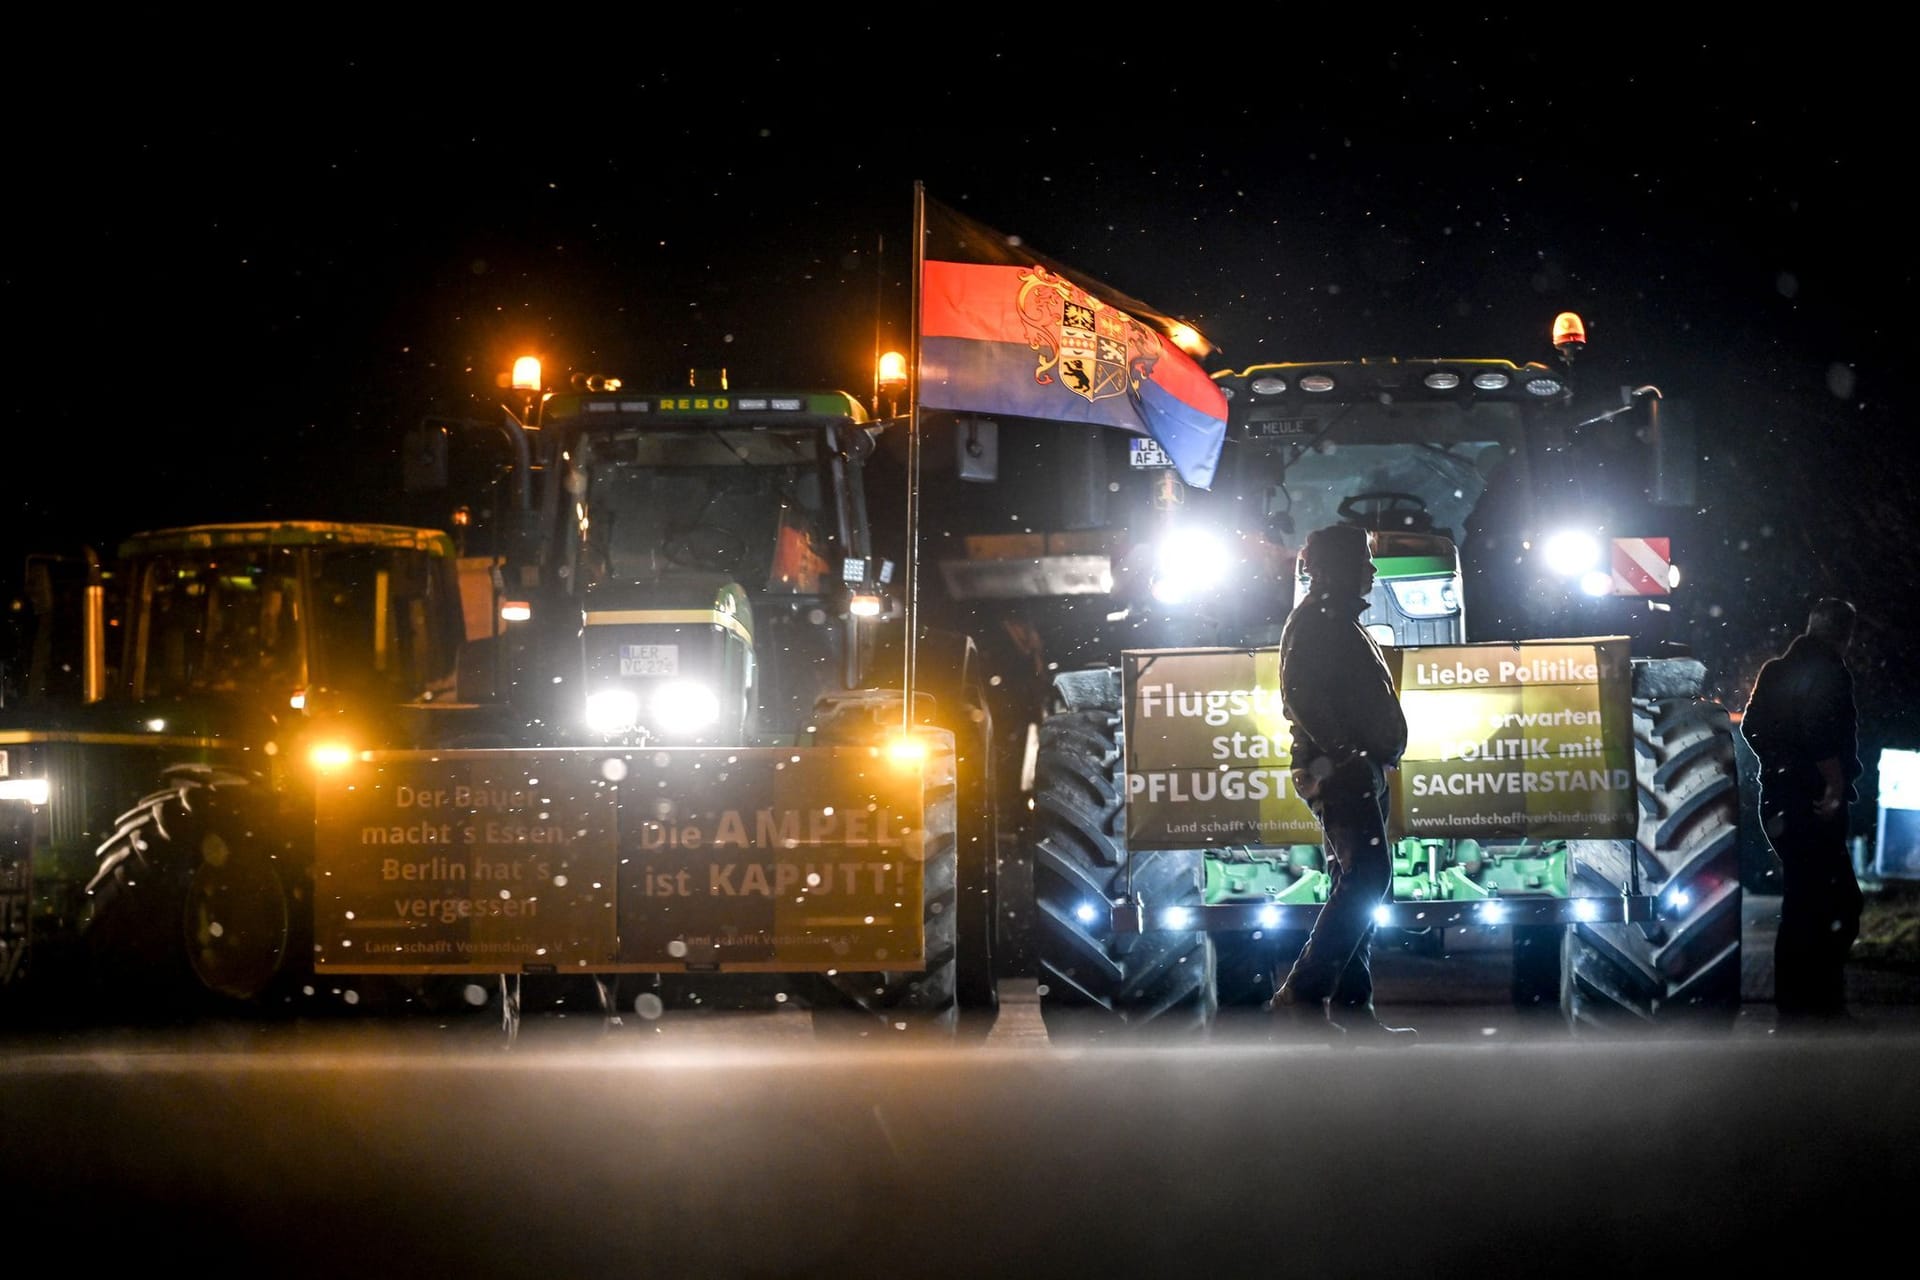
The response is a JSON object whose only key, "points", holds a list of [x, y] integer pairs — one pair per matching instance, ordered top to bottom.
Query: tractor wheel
{"points": [[200, 905], [1683, 969], [1095, 983], [881, 1005]]}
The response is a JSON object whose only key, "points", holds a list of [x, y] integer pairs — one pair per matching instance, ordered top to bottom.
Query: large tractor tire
{"points": [[864, 717], [201, 904], [1682, 971], [1093, 983], [919, 1003]]}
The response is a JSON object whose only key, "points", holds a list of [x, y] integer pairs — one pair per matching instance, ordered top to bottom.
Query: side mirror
{"points": [[858, 443]]}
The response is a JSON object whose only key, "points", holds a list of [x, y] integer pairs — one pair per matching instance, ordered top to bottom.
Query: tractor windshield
{"points": [[1420, 468], [747, 504], [275, 619], [386, 620], [226, 621]]}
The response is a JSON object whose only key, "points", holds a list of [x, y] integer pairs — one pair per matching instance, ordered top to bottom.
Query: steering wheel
{"points": [[1384, 509], [705, 546]]}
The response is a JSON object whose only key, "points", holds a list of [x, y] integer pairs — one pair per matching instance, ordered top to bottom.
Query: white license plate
{"points": [[1146, 453], [649, 659]]}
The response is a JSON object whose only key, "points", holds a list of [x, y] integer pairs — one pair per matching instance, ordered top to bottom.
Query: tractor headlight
{"points": [[1572, 553], [1187, 563], [1427, 597], [681, 706], [612, 710], [330, 756], [31, 790]]}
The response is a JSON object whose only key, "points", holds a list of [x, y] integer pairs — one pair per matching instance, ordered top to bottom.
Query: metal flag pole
{"points": [[912, 583]]}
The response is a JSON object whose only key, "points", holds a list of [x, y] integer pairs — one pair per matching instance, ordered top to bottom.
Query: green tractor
{"points": [[704, 615], [160, 788], [1155, 903]]}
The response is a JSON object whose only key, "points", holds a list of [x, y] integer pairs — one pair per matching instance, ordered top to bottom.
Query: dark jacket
{"points": [[1335, 688], [1801, 712]]}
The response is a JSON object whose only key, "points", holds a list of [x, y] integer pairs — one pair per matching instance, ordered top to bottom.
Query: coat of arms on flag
{"points": [[1006, 331], [1092, 349]]}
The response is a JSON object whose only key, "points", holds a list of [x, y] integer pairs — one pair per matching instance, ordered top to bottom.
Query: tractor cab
{"points": [[721, 563]]}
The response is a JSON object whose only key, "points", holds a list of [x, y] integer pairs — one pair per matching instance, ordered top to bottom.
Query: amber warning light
{"points": [[1569, 334]]}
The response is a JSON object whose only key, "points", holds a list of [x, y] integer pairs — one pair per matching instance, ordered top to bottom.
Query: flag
{"points": [[1004, 330]]}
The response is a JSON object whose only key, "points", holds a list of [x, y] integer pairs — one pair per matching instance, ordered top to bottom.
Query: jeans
{"points": [[1336, 963]]}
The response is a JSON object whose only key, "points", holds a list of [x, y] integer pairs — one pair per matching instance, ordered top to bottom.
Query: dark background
{"points": [[244, 264]]}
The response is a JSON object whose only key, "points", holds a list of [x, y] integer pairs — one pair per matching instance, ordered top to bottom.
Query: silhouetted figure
{"points": [[1801, 723], [1348, 730]]}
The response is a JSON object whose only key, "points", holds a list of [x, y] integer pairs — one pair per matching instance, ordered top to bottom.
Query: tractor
{"points": [[160, 788], [1155, 903]]}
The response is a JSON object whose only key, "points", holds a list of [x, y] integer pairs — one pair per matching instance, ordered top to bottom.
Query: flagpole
{"points": [[911, 584]]}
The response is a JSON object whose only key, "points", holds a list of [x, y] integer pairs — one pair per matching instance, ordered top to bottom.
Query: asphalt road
{"points": [[738, 1145]]}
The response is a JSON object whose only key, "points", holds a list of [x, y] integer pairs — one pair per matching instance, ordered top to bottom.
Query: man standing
{"points": [[1801, 723], [1348, 730]]}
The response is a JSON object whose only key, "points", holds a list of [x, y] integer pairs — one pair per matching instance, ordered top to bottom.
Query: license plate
{"points": [[1147, 453], [649, 659]]}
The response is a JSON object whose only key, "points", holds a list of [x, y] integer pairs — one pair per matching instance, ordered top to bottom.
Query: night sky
{"points": [[238, 277]]}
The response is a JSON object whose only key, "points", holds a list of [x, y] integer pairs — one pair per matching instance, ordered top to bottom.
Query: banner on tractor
{"points": [[1005, 330], [1532, 740], [681, 860]]}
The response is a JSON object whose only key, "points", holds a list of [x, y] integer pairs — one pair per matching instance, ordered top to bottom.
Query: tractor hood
{"points": [[668, 662]]}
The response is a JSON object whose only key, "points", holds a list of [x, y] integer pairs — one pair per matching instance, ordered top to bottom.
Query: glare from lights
{"points": [[1188, 339], [893, 370], [526, 373], [1571, 552], [1188, 561], [1673, 576], [1597, 582], [864, 606], [515, 611], [682, 706], [612, 710], [156, 726], [906, 751], [329, 756], [32, 790], [1679, 899], [1585, 910], [1085, 913], [1493, 913], [1382, 914], [1176, 917], [1269, 917]]}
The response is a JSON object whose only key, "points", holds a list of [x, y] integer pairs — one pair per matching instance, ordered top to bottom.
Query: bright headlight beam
{"points": [[1571, 552], [1188, 561], [682, 706], [612, 710], [31, 790]]}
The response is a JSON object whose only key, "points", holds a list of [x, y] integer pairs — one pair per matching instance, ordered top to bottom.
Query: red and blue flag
{"points": [[1007, 331]]}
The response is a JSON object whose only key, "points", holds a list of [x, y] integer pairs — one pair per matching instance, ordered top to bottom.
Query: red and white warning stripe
{"points": [[1641, 566]]}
